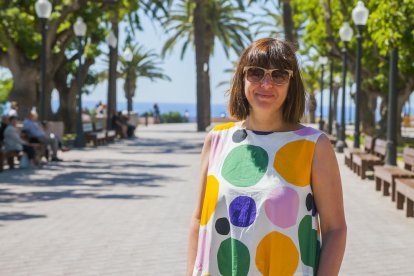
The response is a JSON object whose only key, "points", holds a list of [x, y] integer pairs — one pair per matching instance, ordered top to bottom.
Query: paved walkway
{"points": [[124, 209]]}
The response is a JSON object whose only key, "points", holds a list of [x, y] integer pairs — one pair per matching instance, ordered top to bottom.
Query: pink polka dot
{"points": [[306, 131], [215, 149], [282, 207], [203, 251]]}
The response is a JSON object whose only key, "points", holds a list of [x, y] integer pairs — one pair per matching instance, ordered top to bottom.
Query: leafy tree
{"points": [[200, 23], [390, 25], [20, 43], [144, 64]]}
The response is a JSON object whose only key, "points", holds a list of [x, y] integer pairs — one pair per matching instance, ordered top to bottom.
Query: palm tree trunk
{"points": [[288, 22], [202, 62]]}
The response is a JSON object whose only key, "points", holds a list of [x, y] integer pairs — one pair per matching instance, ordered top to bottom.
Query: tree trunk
{"points": [[288, 22], [202, 52], [24, 91], [312, 108], [367, 112]]}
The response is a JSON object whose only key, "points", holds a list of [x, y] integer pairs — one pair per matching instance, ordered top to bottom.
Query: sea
{"points": [[218, 110]]}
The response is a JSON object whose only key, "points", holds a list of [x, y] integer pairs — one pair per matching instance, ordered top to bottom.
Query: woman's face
{"points": [[265, 96]]}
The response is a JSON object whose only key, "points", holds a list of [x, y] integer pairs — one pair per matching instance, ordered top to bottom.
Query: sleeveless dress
{"points": [[259, 216]]}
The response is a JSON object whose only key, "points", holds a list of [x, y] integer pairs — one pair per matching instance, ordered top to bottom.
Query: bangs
{"points": [[270, 54]]}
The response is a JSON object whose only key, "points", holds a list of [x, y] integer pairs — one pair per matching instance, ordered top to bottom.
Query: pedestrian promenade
{"points": [[124, 209]]}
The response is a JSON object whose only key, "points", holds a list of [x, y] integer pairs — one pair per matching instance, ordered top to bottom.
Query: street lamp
{"points": [[43, 10], [360, 17], [80, 30], [346, 34], [112, 42], [128, 56], [322, 61], [330, 97], [391, 157]]}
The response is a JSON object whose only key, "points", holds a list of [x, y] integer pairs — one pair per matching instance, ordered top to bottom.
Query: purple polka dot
{"points": [[306, 131], [282, 207], [242, 211]]}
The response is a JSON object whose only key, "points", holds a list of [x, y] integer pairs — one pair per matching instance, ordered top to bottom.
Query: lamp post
{"points": [[43, 10], [360, 18], [80, 30], [346, 34], [112, 42], [128, 56], [322, 61], [330, 97], [391, 157]]}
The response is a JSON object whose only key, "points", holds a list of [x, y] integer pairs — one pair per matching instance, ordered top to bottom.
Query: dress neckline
{"points": [[258, 132]]}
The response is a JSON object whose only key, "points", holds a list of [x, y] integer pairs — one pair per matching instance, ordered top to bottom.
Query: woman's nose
{"points": [[267, 80]]}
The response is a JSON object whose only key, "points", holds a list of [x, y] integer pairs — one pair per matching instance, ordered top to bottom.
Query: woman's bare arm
{"points": [[327, 189]]}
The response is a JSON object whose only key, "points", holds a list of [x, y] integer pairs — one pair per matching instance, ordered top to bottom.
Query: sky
{"points": [[182, 87]]}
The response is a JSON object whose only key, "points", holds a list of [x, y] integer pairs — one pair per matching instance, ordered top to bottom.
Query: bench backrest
{"points": [[98, 126], [87, 127], [369, 143], [380, 148], [408, 157]]}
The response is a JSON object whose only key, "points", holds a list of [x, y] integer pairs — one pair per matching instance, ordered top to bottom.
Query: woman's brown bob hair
{"points": [[269, 53]]}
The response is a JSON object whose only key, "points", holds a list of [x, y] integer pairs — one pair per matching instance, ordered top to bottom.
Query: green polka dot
{"points": [[245, 165], [308, 243], [233, 258]]}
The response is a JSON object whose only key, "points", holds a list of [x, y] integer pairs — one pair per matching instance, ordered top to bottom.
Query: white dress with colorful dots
{"points": [[259, 216]]}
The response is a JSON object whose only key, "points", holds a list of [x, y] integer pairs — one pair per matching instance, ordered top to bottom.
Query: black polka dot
{"points": [[239, 135], [309, 202], [223, 226]]}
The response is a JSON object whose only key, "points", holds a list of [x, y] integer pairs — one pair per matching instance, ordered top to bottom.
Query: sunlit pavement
{"points": [[124, 209]]}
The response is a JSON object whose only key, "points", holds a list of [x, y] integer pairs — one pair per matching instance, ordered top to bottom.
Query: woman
{"points": [[270, 201]]}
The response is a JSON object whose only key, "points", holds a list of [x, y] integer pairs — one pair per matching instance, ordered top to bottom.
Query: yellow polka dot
{"points": [[224, 126], [294, 162], [210, 199], [277, 255]]}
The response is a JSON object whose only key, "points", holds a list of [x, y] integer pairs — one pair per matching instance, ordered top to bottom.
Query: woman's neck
{"points": [[267, 123]]}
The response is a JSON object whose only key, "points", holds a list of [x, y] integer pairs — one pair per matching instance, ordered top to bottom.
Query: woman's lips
{"points": [[264, 96]]}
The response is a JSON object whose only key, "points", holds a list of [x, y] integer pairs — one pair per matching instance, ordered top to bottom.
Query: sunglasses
{"points": [[257, 74]]}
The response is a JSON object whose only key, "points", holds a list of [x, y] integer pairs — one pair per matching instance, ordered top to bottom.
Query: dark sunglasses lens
{"points": [[254, 74], [280, 76]]}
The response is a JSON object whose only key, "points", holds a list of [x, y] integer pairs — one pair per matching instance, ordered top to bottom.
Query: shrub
{"points": [[172, 117]]}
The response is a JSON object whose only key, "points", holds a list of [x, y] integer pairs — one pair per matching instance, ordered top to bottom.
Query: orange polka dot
{"points": [[224, 126], [294, 162], [210, 199], [277, 255]]}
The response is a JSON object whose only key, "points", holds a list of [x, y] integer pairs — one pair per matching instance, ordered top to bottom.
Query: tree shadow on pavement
{"points": [[10, 197], [18, 216]]}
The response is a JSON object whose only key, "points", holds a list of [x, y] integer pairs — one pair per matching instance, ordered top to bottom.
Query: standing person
{"points": [[156, 114], [37, 135], [270, 201]]}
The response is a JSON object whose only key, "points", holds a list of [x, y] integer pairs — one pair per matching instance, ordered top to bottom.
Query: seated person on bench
{"points": [[37, 135], [13, 141]]}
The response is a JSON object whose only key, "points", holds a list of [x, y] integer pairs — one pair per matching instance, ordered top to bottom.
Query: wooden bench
{"points": [[109, 134], [91, 136], [331, 138], [350, 152], [361, 163], [385, 175], [405, 190]]}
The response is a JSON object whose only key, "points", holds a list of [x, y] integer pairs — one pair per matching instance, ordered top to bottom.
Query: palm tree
{"points": [[199, 23], [144, 64]]}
